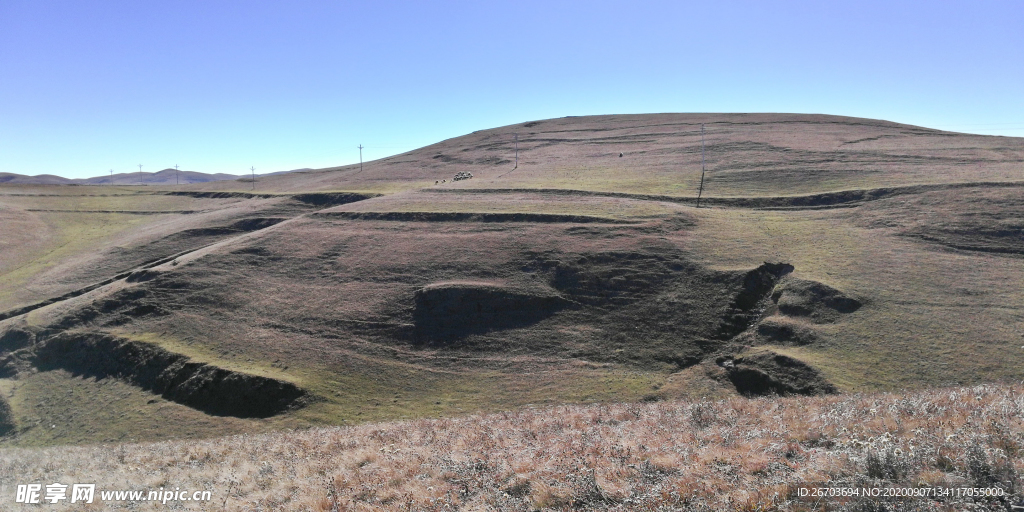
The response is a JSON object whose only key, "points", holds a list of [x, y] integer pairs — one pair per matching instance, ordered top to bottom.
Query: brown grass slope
{"points": [[747, 155], [62, 239], [893, 261], [727, 455]]}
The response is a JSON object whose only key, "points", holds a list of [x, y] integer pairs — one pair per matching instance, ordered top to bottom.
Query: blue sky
{"points": [[219, 86]]}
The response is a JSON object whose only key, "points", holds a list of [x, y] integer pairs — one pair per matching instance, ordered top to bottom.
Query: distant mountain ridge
{"points": [[164, 177]]}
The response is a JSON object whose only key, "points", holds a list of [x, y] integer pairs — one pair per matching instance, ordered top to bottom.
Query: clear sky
{"points": [[219, 86]]}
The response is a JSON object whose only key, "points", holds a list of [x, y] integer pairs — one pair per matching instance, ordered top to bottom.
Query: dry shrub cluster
{"points": [[737, 454]]}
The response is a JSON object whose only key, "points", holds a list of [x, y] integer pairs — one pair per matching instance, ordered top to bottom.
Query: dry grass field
{"points": [[829, 255], [735, 454]]}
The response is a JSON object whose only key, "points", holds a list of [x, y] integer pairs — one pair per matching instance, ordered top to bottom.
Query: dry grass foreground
{"points": [[736, 454]]}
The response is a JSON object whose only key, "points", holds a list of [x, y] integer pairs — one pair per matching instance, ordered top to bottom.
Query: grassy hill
{"points": [[830, 254]]}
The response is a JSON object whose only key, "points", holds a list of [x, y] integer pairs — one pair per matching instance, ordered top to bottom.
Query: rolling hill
{"points": [[164, 177], [829, 255]]}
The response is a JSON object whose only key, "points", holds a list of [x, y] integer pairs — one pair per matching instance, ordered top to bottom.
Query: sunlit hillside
{"points": [[828, 255]]}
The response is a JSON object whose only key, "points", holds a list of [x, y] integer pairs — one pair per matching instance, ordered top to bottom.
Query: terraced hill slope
{"points": [[748, 155], [830, 254]]}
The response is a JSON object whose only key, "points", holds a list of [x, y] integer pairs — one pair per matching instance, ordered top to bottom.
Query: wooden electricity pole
{"points": [[517, 152], [360, 158], [253, 169], [140, 174], [175, 174], [111, 176], [701, 189]]}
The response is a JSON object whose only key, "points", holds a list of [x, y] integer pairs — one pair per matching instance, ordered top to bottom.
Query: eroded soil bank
{"points": [[176, 377]]}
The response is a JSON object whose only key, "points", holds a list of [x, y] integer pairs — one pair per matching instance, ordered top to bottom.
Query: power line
{"points": [[701, 189]]}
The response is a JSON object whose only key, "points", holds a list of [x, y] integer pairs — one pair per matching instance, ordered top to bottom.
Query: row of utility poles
{"points": [[252, 169], [177, 180], [111, 181]]}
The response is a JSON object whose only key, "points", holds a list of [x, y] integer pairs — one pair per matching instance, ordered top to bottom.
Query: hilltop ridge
{"points": [[747, 155]]}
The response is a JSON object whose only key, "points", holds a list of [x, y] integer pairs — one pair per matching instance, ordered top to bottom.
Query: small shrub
{"points": [[702, 415], [817, 439], [1003, 439], [945, 460], [887, 464], [978, 468], [984, 473], [519, 488], [586, 492], [546, 496]]}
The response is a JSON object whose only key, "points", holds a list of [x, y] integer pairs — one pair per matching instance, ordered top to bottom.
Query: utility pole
{"points": [[517, 152], [360, 158], [253, 169], [140, 174], [175, 174], [111, 176], [701, 190]]}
